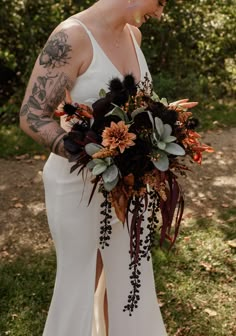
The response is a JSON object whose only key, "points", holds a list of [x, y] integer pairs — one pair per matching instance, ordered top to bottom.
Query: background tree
{"points": [[193, 50], [191, 53]]}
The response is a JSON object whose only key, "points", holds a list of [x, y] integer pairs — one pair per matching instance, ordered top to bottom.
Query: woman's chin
{"points": [[139, 22]]}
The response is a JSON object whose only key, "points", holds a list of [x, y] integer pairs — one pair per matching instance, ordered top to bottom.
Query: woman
{"points": [[82, 55]]}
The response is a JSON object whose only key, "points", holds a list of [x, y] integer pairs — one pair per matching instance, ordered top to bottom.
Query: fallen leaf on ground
{"points": [[22, 157], [40, 157], [22, 185], [201, 195], [212, 198], [18, 205], [224, 205], [210, 214], [188, 215], [187, 238], [232, 243], [4, 254], [206, 266], [161, 293], [160, 303], [210, 312], [181, 330]]}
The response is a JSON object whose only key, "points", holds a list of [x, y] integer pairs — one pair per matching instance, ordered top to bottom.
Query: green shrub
{"points": [[190, 53]]}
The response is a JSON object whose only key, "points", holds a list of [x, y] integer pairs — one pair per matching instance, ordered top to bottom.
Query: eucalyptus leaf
{"points": [[102, 93], [155, 97], [164, 101], [117, 111], [137, 111], [151, 119], [159, 126], [167, 131], [155, 138], [169, 139], [161, 145], [92, 148], [174, 149], [108, 160], [100, 161], [162, 163], [91, 164], [99, 169], [110, 174], [111, 185]]}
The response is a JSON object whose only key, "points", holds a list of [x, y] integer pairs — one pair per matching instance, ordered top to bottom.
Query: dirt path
{"points": [[209, 189]]}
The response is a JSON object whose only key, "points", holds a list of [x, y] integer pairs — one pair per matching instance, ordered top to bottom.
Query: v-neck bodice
{"points": [[101, 50], [100, 71]]}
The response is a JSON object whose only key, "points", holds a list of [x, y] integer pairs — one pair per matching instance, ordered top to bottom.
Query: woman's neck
{"points": [[107, 16]]}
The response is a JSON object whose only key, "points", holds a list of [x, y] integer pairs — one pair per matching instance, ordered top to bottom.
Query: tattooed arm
{"points": [[55, 70]]}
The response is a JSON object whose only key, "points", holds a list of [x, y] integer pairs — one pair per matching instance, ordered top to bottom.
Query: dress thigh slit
{"points": [[75, 309]]}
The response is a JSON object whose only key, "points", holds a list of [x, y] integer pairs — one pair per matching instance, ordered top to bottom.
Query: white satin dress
{"points": [[75, 310]]}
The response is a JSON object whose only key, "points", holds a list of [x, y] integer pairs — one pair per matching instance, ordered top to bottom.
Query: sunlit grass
{"points": [[215, 114], [14, 142], [196, 280], [195, 283], [25, 291]]}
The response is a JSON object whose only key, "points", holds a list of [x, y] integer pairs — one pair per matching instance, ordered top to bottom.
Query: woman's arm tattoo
{"points": [[56, 51], [48, 92], [40, 106]]}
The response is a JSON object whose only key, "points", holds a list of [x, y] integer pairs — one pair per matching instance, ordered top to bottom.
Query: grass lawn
{"points": [[216, 114], [14, 142], [195, 283]]}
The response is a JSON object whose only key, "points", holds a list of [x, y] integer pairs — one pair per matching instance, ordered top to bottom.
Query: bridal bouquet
{"points": [[133, 143]]}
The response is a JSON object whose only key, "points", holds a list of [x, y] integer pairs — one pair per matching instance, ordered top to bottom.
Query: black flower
{"points": [[69, 109]]}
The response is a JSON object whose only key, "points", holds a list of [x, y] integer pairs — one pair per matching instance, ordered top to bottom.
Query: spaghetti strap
{"points": [[82, 24], [133, 37], [97, 49]]}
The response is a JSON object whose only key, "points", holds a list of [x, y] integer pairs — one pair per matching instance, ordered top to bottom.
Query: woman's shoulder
{"points": [[73, 30], [137, 33], [70, 36]]}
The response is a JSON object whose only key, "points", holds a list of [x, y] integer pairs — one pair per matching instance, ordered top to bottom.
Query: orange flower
{"points": [[183, 116], [117, 135], [192, 142], [120, 196]]}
